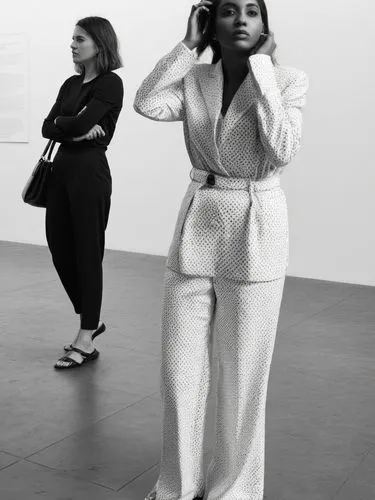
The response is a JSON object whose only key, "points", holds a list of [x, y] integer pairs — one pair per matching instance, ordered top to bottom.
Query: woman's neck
{"points": [[235, 66], [90, 71]]}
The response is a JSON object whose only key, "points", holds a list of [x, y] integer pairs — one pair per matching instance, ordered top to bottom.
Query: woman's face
{"points": [[238, 24], [83, 46]]}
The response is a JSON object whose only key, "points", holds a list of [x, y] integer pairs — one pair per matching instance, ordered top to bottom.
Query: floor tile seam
{"points": [[21, 244], [110, 253], [346, 284], [307, 318], [108, 386], [131, 394], [152, 396], [85, 428], [371, 450], [11, 454], [363, 458], [10, 465], [69, 473], [137, 477], [341, 486]]}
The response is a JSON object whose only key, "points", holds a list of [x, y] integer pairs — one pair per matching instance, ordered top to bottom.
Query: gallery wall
{"points": [[329, 186]]}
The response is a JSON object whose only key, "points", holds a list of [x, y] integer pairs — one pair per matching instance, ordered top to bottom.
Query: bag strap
{"points": [[48, 150], [51, 150]]}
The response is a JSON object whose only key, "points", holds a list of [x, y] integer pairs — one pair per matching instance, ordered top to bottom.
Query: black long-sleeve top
{"points": [[102, 97]]}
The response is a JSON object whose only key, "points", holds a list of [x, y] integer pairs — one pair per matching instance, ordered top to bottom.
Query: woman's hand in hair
{"points": [[194, 34], [269, 46], [94, 133]]}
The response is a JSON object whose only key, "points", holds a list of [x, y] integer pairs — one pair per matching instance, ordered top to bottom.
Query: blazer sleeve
{"points": [[107, 94], [161, 95], [279, 112], [49, 129]]}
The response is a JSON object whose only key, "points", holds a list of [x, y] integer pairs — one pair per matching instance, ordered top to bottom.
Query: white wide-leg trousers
{"points": [[244, 317]]}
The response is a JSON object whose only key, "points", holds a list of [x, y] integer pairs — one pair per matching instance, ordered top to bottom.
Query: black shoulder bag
{"points": [[35, 191]]}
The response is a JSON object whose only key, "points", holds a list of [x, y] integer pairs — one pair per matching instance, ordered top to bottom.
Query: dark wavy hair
{"points": [[208, 23], [105, 38]]}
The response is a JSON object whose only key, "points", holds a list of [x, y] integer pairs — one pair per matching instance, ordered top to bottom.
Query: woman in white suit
{"points": [[228, 258]]}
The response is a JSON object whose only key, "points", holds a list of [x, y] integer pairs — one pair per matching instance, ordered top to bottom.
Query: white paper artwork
{"points": [[13, 87]]}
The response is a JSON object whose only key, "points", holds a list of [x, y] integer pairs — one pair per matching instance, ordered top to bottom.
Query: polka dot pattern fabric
{"points": [[222, 222], [218, 232], [243, 317]]}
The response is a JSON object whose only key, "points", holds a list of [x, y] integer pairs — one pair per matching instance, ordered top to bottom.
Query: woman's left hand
{"points": [[269, 46], [94, 133], [79, 139]]}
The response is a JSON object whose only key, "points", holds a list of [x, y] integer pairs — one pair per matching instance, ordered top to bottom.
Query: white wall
{"points": [[330, 185]]}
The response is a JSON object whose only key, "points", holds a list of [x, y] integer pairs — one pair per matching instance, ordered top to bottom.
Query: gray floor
{"points": [[94, 433]]}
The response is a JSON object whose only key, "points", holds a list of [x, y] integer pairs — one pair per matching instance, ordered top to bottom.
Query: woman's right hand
{"points": [[194, 34], [94, 133]]}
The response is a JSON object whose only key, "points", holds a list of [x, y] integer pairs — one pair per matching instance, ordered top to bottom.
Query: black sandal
{"points": [[97, 332], [72, 363]]}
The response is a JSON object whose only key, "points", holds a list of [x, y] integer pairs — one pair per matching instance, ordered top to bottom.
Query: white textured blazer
{"points": [[238, 228]]}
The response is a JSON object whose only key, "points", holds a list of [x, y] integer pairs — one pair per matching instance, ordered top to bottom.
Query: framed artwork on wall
{"points": [[14, 87]]}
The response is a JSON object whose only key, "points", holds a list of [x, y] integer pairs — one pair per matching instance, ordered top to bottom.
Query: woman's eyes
{"points": [[227, 12], [231, 12]]}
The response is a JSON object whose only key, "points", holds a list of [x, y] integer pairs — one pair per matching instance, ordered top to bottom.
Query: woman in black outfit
{"points": [[83, 120]]}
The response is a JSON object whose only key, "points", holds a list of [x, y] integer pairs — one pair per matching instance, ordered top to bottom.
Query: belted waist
{"points": [[238, 183]]}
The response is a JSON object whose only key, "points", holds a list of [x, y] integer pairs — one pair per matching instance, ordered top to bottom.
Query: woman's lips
{"points": [[241, 34]]}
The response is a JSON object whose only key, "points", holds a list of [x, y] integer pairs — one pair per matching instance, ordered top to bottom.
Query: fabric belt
{"points": [[201, 178], [214, 180]]}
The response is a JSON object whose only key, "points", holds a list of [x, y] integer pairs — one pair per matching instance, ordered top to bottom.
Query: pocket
{"points": [[183, 215], [273, 228]]}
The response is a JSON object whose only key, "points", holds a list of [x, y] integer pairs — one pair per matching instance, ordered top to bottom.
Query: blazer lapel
{"points": [[211, 85], [212, 90]]}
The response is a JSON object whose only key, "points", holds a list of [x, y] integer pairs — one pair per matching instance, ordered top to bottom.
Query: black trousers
{"points": [[78, 204]]}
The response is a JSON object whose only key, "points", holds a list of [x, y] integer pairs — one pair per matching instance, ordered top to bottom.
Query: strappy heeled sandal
{"points": [[101, 329], [72, 363]]}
